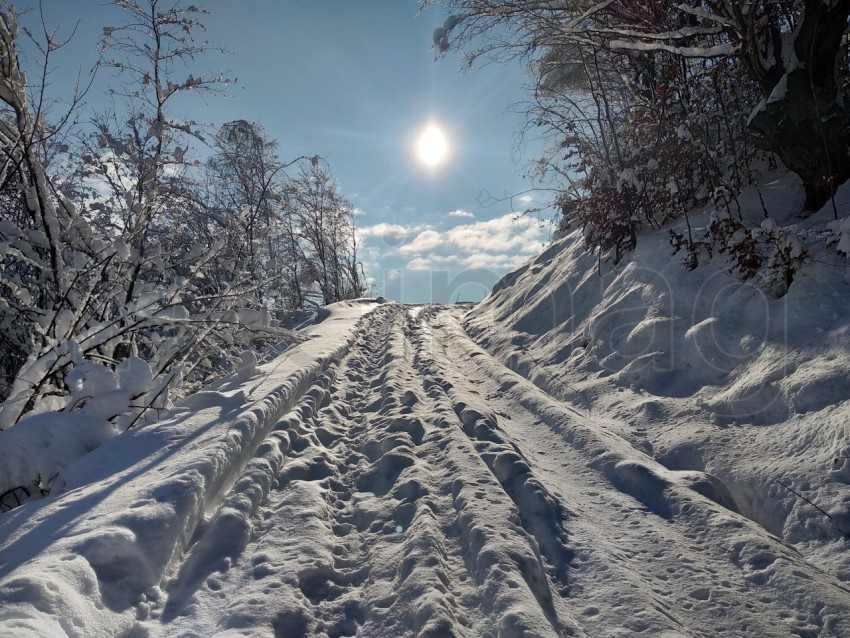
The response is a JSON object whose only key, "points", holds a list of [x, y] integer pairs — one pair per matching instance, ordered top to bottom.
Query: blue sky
{"points": [[355, 81]]}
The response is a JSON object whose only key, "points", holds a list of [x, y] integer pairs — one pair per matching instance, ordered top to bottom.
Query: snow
{"points": [[780, 91], [759, 108], [699, 369], [42, 446], [594, 450], [101, 544]]}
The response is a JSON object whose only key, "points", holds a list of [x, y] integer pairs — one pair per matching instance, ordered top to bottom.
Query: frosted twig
{"points": [[817, 507]]}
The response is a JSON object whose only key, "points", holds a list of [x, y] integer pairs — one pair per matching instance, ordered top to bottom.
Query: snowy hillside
{"points": [[701, 370], [589, 452]]}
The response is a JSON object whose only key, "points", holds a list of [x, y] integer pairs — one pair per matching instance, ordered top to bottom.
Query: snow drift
{"points": [[701, 369], [86, 563]]}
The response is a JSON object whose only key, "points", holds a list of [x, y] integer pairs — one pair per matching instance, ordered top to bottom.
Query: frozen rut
{"points": [[419, 488]]}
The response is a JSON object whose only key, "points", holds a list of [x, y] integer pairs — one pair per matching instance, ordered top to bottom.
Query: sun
{"points": [[432, 147]]}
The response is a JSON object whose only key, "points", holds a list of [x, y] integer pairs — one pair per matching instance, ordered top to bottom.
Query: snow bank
{"points": [[703, 371], [38, 449], [117, 518]]}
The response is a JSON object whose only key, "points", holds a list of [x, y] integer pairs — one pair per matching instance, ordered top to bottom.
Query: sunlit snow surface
{"points": [[399, 475]]}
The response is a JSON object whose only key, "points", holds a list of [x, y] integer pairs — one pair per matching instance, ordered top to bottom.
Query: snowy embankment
{"points": [[701, 370], [80, 564]]}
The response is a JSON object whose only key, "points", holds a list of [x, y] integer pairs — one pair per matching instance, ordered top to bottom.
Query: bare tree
{"points": [[790, 49], [249, 187], [326, 228], [42, 234], [125, 275]]}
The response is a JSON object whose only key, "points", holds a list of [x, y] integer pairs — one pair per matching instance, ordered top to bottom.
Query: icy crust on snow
{"points": [[700, 369], [84, 561]]}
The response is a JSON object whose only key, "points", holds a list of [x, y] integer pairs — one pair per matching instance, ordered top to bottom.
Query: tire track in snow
{"points": [[341, 473], [305, 476], [419, 488], [534, 517], [383, 519], [661, 544], [416, 579]]}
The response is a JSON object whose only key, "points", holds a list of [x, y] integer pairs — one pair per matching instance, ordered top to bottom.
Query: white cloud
{"points": [[393, 231], [509, 234], [423, 242], [495, 244], [435, 262], [492, 262], [418, 263]]}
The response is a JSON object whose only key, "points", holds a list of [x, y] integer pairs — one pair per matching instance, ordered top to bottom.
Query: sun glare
{"points": [[432, 146]]}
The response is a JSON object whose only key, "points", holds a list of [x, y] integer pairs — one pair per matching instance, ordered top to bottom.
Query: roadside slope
{"points": [[699, 369], [85, 561]]}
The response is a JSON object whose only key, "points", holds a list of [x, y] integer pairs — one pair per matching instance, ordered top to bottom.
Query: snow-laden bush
{"points": [[646, 157], [769, 253], [132, 273], [127, 274], [101, 402], [38, 448]]}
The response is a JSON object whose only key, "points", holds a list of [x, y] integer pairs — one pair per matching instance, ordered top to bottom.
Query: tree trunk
{"points": [[802, 118], [811, 135]]}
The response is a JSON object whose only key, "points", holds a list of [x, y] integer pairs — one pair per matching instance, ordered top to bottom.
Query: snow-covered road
{"points": [[417, 487], [429, 491]]}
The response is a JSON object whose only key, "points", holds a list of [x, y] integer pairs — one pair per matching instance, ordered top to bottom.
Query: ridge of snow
{"points": [[111, 528]]}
